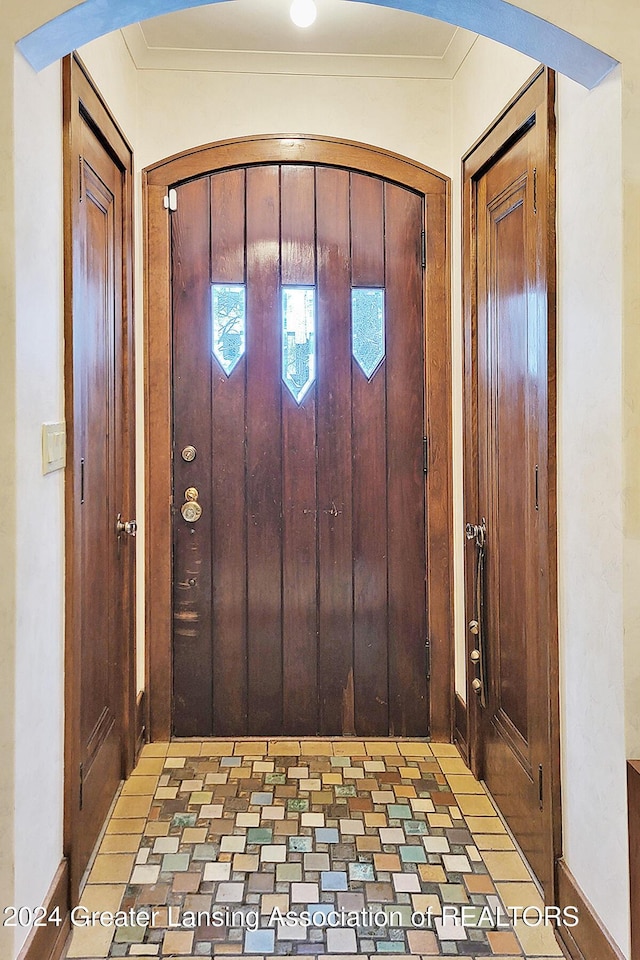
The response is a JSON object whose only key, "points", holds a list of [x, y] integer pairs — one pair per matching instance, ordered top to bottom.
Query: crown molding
{"points": [[298, 64]]}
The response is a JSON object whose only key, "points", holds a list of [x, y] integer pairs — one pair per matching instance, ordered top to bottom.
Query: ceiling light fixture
{"points": [[303, 12]]}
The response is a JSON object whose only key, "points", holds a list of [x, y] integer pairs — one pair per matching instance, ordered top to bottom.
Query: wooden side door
{"points": [[99, 489], [299, 568], [512, 639]]}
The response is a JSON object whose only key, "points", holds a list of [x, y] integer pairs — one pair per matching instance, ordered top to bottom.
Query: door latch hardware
{"points": [[189, 453], [191, 510], [129, 527], [477, 532], [478, 656], [540, 787]]}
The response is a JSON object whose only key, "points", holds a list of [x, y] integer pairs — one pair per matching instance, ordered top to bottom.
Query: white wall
{"points": [[111, 68], [180, 109], [590, 495], [40, 556]]}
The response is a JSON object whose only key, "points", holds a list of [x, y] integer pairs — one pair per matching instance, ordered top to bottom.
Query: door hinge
{"points": [[80, 179], [535, 190], [171, 200], [423, 249], [425, 454], [82, 480], [537, 488], [427, 647], [81, 785], [540, 787]]}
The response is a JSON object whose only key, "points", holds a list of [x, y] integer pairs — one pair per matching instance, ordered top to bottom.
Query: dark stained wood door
{"points": [[513, 481], [100, 561], [299, 574]]}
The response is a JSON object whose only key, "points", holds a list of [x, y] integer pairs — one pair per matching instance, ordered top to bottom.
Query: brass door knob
{"points": [[191, 511], [129, 527], [474, 626], [474, 656], [476, 686]]}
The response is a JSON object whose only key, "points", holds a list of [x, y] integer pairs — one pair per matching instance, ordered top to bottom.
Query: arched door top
{"points": [[496, 19], [295, 148]]}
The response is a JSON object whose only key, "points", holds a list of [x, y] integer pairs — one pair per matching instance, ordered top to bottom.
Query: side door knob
{"points": [[129, 527]]}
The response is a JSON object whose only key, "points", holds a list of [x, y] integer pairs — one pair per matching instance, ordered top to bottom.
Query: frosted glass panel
{"points": [[229, 323], [367, 328], [298, 339]]}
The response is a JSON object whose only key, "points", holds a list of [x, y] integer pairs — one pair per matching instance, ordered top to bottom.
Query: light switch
{"points": [[54, 446]]}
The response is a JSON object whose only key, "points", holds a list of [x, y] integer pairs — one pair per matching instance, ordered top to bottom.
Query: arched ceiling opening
{"points": [[495, 19]]}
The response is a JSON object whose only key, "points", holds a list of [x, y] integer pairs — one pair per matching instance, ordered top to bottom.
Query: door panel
{"points": [[512, 370], [405, 427], [264, 460], [511, 467], [299, 482], [98, 497], [228, 522], [335, 523], [370, 546], [100, 564], [299, 594], [192, 649], [101, 707]]}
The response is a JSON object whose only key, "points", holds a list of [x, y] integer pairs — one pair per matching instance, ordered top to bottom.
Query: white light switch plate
{"points": [[54, 446]]}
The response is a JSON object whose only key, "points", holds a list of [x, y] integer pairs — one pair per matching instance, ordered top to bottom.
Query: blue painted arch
{"points": [[496, 19]]}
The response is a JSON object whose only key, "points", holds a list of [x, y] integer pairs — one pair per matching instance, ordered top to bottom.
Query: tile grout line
{"points": [[362, 864]]}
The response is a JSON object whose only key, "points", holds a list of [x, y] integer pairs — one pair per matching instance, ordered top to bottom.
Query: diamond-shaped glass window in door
{"points": [[228, 301], [367, 328], [298, 339]]}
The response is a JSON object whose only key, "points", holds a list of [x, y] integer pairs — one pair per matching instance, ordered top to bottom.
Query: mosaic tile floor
{"points": [[307, 848]]}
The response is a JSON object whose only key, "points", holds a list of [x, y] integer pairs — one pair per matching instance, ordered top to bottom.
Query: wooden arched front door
{"points": [[304, 311]]}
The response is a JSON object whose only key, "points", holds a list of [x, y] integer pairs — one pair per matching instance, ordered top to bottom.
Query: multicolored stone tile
{"points": [[308, 848]]}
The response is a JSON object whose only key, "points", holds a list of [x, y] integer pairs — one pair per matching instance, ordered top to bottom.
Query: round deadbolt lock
{"points": [[189, 453], [191, 493], [191, 511]]}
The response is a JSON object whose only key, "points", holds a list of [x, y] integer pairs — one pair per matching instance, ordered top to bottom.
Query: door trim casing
{"points": [[537, 93], [83, 103], [295, 149]]}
